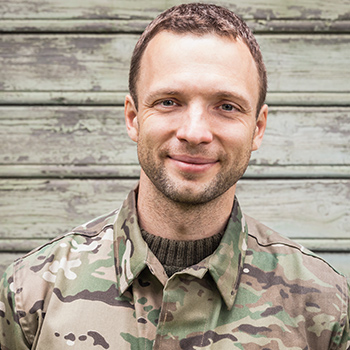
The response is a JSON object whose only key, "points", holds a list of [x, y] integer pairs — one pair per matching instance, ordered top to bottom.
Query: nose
{"points": [[195, 126]]}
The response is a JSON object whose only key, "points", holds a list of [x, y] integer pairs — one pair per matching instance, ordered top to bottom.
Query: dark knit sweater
{"points": [[177, 255]]}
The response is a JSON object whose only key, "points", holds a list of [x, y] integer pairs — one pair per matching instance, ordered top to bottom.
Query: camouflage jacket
{"points": [[100, 287]]}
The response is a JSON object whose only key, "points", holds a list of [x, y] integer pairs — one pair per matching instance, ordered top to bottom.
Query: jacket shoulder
{"points": [[267, 237], [66, 260], [304, 283]]}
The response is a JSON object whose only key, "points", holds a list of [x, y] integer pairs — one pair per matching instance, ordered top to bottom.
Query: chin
{"points": [[191, 194]]}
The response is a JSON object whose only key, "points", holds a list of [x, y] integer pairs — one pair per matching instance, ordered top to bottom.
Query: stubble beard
{"points": [[185, 195]]}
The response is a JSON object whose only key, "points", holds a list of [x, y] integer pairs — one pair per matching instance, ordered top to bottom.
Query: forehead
{"points": [[189, 61]]}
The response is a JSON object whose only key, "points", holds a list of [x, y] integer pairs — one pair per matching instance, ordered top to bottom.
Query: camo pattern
{"points": [[100, 287]]}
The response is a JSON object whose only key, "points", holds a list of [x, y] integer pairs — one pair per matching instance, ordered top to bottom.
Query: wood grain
{"points": [[107, 15], [93, 25], [99, 63], [92, 142], [65, 156], [318, 209]]}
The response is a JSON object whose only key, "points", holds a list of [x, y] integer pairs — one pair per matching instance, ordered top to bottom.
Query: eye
{"points": [[167, 103], [227, 107]]}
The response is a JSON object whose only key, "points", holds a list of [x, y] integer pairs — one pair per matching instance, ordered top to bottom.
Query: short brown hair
{"points": [[199, 19]]}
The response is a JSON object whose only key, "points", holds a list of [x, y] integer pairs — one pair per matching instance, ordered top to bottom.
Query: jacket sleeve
{"points": [[348, 320], [12, 336], [345, 338]]}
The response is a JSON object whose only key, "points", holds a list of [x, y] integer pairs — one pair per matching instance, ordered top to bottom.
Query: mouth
{"points": [[191, 164]]}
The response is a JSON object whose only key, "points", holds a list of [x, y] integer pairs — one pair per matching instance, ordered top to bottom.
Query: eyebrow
{"points": [[162, 92]]}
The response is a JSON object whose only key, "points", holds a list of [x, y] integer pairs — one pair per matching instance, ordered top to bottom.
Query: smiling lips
{"points": [[192, 164]]}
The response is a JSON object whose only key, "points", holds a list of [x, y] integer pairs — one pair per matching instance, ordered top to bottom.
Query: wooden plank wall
{"points": [[65, 156]]}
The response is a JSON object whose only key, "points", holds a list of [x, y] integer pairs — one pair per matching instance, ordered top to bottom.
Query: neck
{"points": [[163, 217]]}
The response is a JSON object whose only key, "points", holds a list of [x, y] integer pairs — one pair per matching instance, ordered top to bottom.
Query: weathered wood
{"points": [[309, 10], [139, 24], [77, 53], [65, 62], [93, 63], [114, 98], [117, 98], [305, 98], [92, 142], [111, 171], [115, 171], [46, 208], [296, 208], [299, 208], [20, 245], [326, 245]]}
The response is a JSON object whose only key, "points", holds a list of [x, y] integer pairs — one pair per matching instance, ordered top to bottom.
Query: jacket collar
{"points": [[130, 248], [224, 265]]}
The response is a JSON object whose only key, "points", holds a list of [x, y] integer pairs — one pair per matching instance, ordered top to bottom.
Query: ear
{"points": [[131, 122], [260, 127]]}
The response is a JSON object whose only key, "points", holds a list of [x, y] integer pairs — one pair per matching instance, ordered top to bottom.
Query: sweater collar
{"points": [[224, 265]]}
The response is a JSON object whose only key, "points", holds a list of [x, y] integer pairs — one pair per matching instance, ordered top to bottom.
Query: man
{"points": [[179, 266]]}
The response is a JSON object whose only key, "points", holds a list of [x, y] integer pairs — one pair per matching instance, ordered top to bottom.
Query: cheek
{"points": [[156, 131], [237, 139]]}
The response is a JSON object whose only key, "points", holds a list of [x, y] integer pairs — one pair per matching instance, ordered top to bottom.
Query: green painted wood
{"points": [[119, 10], [92, 25], [65, 62], [93, 63], [116, 98], [65, 135], [92, 142], [112, 171], [40, 209], [43, 209], [317, 209], [20, 245], [326, 245]]}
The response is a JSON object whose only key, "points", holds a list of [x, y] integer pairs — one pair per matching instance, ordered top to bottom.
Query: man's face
{"points": [[196, 120]]}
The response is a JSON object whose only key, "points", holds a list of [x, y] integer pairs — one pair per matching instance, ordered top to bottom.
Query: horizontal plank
{"points": [[119, 10], [102, 25], [65, 62], [99, 63], [116, 98], [92, 142], [115, 171], [299, 208], [42, 209], [20, 245], [324, 245], [338, 260]]}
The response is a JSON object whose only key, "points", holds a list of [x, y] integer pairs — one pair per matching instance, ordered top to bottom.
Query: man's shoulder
{"points": [[89, 232], [285, 251], [68, 252], [80, 262], [301, 283]]}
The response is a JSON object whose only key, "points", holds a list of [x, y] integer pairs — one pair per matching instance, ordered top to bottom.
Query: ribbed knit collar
{"points": [[176, 255]]}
